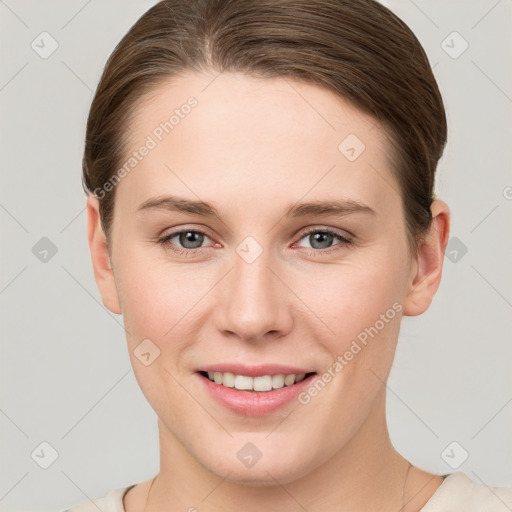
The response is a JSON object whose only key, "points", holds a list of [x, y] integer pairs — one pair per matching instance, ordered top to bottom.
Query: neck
{"points": [[366, 474]]}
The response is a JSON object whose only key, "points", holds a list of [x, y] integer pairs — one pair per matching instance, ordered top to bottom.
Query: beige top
{"points": [[457, 493]]}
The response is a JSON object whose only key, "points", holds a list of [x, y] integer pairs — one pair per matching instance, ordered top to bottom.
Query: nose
{"points": [[254, 304]]}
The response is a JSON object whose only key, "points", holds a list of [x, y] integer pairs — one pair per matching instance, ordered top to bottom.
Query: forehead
{"points": [[230, 101], [237, 132]]}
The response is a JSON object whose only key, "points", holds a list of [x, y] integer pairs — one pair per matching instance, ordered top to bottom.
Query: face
{"points": [[260, 281]]}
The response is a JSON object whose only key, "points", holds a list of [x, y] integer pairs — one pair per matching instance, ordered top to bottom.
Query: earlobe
{"points": [[427, 269], [103, 273]]}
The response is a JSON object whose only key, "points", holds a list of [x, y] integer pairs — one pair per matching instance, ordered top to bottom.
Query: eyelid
{"points": [[176, 231], [343, 233], [166, 239], [343, 240]]}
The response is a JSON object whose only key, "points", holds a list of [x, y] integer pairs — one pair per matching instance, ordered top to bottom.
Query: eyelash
{"points": [[344, 241]]}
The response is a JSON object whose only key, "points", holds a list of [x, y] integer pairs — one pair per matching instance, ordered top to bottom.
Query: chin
{"points": [[270, 472], [263, 478]]}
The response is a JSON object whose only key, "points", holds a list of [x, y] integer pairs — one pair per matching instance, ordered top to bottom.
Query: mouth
{"points": [[257, 384], [259, 394]]}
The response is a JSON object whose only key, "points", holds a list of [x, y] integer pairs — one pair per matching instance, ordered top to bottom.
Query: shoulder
{"points": [[458, 492], [112, 502]]}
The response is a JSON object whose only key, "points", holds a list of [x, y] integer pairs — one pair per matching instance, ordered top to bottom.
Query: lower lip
{"points": [[255, 403]]}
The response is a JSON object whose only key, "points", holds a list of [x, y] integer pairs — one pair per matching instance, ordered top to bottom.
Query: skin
{"points": [[252, 147]]}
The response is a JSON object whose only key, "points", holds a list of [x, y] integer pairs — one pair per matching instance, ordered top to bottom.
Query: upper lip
{"points": [[254, 370]]}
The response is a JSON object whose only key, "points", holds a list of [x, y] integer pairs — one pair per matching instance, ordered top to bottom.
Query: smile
{"points": [[259, 383], [256, 395]]}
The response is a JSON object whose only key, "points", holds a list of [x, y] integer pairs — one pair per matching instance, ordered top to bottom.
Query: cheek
{"points": [[156, 296], [354, 296], [161, 299], [362, 308], [160, 319]]}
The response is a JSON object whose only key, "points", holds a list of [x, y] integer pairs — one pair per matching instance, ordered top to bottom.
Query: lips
{"points": [[255, 370], [260, 383], [254, 390]]}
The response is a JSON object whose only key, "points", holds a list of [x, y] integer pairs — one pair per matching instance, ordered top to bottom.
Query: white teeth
{"points": [[228, 380], [289, 380], [278, 381], [243, 382], [261, 383]]}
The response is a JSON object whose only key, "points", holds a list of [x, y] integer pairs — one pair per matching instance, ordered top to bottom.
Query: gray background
{"points": [[66, 375]]}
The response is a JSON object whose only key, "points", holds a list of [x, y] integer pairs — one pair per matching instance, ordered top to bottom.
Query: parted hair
{"points": [[358, 49]]}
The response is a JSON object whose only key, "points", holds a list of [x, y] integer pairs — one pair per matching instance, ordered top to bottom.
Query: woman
{"points": [[261, 211]]}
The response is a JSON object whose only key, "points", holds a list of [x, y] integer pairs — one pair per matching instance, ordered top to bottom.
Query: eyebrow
{"points": [[202, 208]]}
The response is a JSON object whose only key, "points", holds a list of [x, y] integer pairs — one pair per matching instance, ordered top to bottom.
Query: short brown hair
{"points": [[358, 49]]}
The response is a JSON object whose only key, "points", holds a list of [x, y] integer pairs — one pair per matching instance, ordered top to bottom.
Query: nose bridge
{"points": [[253, 301]]}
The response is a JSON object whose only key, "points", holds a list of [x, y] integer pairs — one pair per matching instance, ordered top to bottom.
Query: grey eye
{"points": [[190, 239], [320, 239]]}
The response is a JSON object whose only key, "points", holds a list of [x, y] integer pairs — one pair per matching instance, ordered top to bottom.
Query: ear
{"points": [[101, 263], [427, 267]]}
